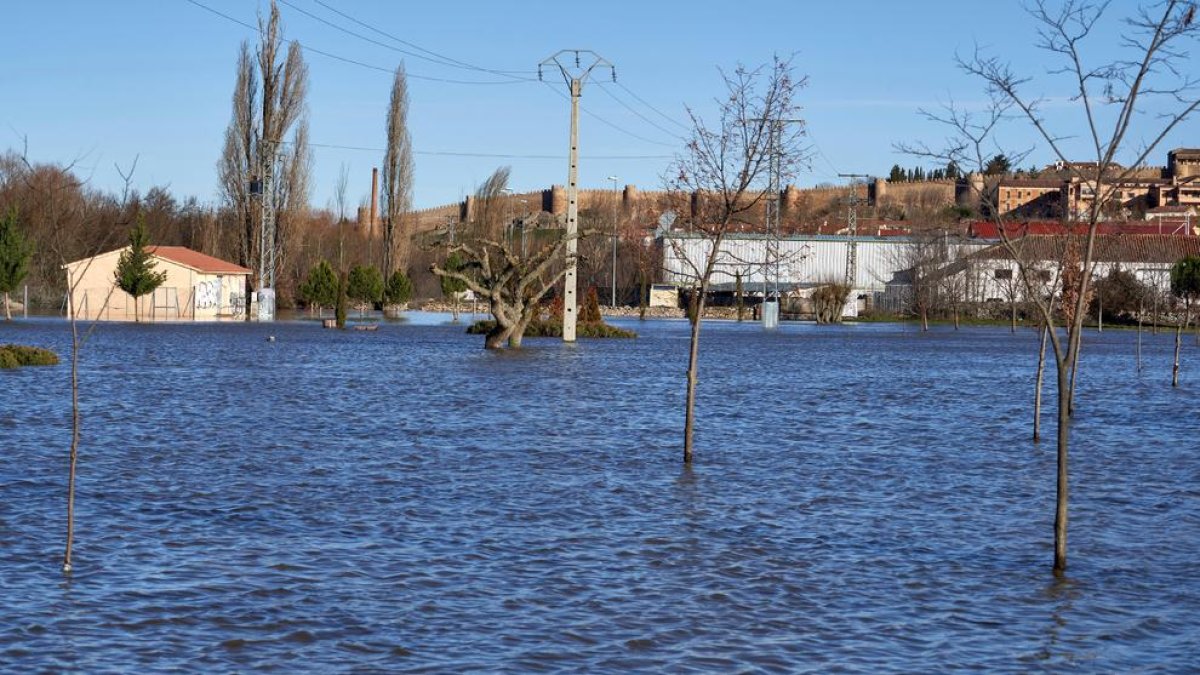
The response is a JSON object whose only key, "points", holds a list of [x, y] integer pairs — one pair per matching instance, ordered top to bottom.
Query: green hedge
{"points": [[553, 328], [13, 356]]}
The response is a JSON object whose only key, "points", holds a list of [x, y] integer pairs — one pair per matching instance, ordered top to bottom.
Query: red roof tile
{"points": [[1145, 248], [197, 260]]}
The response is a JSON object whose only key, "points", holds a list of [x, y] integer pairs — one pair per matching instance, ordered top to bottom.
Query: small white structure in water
{"points": [[198, 287]]}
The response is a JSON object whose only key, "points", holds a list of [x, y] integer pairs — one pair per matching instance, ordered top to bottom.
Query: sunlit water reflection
{"points": [[864, 497]]}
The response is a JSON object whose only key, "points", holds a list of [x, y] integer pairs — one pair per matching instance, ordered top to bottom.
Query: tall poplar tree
{"points": [[268, 104], [397, 179]]}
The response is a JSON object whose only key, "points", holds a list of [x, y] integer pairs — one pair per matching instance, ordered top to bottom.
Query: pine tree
{"points": [[997, 165], [896, 175], [15, 253], [135, 269], [365, 285], [321, 287], [451, 287], [399, 289]]}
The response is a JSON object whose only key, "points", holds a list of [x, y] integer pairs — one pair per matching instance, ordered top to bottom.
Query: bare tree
{"points": [[1152, 75], [267, 106], [238, 163], [724, 175], [397, 179], [339, 199], [59, 200], [512, 284]]}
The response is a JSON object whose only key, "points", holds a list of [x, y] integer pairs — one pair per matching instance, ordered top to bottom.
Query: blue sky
{"points": [[103, 82]]}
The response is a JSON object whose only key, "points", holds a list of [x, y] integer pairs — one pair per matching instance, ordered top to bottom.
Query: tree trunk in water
{"points": [[249, 290], [642, 299], [741, 304], [7, 311], [956, 317], [924, 319], [1012, 326], [518, 331], [497, 337], [1139, 342], [1178, 343], [1074, 372], [692, 375], [1037, 394], [1064, 435], [74, 455]]}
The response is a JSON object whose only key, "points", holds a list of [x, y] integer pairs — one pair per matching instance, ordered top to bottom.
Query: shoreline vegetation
{"points": [[553, 328], [16, 356]]}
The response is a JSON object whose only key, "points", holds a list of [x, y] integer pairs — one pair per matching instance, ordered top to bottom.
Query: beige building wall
{"points": [[186, 294]]}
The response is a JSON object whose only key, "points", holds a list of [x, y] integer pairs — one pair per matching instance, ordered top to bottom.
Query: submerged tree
{"points": [[1112, 99], [723, 177], [15, 252], [135, 269], [512, 284], [1185, 285], [364, 286], [452, 286], [320, 288], [398, 290], [829, 302]]}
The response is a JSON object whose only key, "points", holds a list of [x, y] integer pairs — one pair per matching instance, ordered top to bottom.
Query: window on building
{"points": [[1004, 274], [1045, 275]]}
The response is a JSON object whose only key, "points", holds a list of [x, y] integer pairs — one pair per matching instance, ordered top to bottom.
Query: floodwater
{"points": [[864, 498]]}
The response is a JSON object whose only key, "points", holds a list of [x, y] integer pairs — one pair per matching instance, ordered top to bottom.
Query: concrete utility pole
{"points": [[574, 75], [852, 229]]}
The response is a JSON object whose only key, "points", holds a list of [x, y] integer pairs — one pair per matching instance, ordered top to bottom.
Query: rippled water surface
{"points": [[864, 498]]}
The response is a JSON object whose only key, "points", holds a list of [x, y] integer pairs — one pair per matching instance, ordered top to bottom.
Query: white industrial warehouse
{"points": [[803, 262]]}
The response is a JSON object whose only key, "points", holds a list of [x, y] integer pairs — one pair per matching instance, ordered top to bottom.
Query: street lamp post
{"points": [[508, 225], [524, 225], [613, 301]]}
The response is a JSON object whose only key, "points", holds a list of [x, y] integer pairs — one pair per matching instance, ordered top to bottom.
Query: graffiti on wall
{"points": [[208, 294]]}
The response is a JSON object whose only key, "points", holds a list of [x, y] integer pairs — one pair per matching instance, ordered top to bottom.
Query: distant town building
{"points": [[1058, 191]]}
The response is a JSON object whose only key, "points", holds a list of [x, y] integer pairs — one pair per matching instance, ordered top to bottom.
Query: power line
{"points": [[223, 15], [385, 45], [344, 59], [450, 61], [415, 76], [631, 109], [661, 114], [610, 124], [817, 147], [486, 155]]}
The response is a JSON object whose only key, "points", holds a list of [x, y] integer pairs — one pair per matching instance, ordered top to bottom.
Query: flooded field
{"points": [[864, 498]]}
